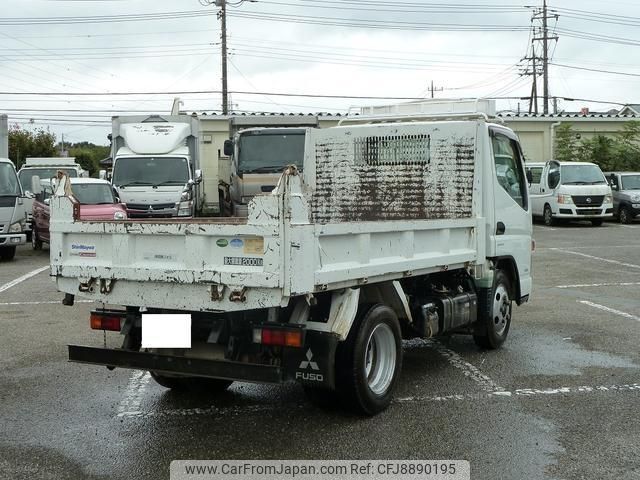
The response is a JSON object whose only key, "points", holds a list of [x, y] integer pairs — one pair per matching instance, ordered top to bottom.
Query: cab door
{"points": [[513, 229]]}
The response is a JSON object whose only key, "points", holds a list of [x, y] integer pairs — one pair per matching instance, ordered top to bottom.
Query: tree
{"points": [[30, 143], [566, 143], [627, 147], [599, 150], [88, 155]]}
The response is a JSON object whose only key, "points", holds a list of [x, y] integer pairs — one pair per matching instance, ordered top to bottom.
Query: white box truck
{"points": [[156, 165], [44, 168], [398, 229]]}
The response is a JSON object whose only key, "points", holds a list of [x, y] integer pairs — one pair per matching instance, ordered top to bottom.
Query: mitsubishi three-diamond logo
{"points": [[308, 363]]}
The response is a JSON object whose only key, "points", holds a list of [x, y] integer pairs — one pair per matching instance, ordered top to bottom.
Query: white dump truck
{"points": [[401, 227]]}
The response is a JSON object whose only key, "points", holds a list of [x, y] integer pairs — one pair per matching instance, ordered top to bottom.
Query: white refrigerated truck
{"points": [[156, 165], [404, 227]]}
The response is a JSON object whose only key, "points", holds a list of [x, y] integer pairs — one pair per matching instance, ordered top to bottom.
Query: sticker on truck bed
{"points": [[254, 246], [82, 250], [243, 261]]}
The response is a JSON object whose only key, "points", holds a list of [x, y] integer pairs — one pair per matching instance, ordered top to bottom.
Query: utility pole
{"points": [[222, 16], [544, 16], [545, 56], [534, 72], [433, 89]]}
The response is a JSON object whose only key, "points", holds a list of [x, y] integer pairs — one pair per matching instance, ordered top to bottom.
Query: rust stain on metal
{"points": [[348, 190]]}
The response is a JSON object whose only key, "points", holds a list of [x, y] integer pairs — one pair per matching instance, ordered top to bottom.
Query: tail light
{"points": [[105, 321], [278, 336]]}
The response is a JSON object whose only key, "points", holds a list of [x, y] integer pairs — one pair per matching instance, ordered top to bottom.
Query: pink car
{"points": [[96, 199]]}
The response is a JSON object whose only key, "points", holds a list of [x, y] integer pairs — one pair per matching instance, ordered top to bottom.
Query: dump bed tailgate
{"points": [[204, 264]]}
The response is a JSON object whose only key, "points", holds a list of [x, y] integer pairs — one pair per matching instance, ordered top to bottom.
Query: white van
{"points": [[569, 191]]}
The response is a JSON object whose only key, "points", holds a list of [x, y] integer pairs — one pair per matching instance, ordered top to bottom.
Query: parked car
{"points": [[569, 191], [626, 195], [96, 198]]}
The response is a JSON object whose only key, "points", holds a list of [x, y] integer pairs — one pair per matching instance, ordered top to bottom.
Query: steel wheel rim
{"points": [[501, 309], [380, 359]]}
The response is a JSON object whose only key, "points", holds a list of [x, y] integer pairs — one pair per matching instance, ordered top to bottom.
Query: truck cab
{"points": [[259, 155], [155, 165], [625, 187], [570, 191], [12, 211]]}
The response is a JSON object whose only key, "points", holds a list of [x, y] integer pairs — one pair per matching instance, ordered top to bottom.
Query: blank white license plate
{"points": [[166, 331]]}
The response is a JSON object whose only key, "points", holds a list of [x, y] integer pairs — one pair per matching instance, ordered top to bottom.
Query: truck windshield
{"points": [[270, 152], [150, 171], [26, 174], [581, 175], [631, 182], [9, 186], [92, 193]]}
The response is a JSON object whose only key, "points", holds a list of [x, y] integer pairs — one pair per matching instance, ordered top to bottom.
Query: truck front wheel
{"points": [[494, 313], [369, 361], [183, 384]]}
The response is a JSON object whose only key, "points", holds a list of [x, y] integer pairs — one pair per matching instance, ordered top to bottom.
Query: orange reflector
{"points": [[104, 322], [293, 339]]}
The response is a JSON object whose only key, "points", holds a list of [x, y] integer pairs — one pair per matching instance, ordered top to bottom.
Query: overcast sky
{"points": [[375, 48]]}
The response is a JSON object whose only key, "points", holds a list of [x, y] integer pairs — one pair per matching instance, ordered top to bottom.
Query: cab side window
{"points": [[509, 172]]}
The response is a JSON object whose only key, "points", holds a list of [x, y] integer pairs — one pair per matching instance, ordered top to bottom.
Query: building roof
{"points": [[567, 115]]}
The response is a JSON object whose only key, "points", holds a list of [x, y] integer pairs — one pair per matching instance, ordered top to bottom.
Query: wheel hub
{"points": [[380, 359]]}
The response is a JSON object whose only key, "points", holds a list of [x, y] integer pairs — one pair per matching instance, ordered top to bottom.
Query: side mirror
{"points": [[228, 148], [198, 176], [529, 177]]}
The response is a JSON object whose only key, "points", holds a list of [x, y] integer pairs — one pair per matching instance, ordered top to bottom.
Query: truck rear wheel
{"points": [[7, 253], [494, 313], [369, 361], [183, 384]]}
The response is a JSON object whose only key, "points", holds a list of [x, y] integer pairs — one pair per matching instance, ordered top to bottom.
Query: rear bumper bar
{"points": [[178, 365]]}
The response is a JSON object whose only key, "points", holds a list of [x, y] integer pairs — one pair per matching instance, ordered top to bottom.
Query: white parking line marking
{"points": [[593, 247], [631, 265], [21, 279], [583, 285], [48, 302], [610, 310], [470, 371], [525, 392], [509, 394], [130, 404]]}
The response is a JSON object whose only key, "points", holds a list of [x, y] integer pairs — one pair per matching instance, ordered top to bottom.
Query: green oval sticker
{"points": [[223, 242]]}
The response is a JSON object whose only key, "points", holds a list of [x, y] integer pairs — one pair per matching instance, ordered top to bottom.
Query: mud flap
{"points": [[313, 365]]}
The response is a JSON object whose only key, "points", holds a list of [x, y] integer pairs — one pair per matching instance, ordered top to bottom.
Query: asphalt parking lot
{"points": [[559, 400]]}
